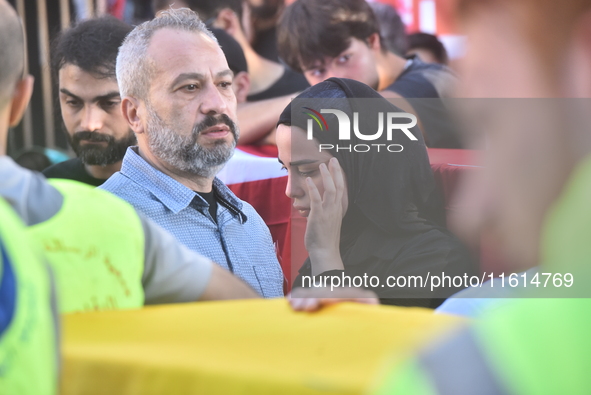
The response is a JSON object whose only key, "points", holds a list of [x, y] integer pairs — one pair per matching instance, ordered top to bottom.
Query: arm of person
{"points": [[258, 119], [175, 274], [224, 285]]}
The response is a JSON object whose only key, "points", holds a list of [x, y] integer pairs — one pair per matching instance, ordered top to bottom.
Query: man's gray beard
{"points": [[183, 152]]}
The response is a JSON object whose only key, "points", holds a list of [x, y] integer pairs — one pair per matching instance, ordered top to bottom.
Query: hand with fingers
{"points": [[323, 230], [312, 299]]}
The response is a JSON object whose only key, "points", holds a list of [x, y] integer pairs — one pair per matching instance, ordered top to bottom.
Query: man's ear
{"points": [[228, 21], [374, 42], [241, 86], [20, 99], [130, 109]]}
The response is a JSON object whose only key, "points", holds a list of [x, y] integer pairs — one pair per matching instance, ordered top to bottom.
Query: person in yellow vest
{"points": [[103, 253], [28, 316]]}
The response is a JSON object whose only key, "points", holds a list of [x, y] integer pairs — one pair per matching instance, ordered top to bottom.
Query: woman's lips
{"points": [[304, 212]]}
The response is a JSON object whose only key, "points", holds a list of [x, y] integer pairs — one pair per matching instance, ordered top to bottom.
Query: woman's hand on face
{"points": [[324, 220]]}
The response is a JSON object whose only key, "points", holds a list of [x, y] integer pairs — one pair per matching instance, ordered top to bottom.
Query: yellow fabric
{"points": [[95, 245], [27, 346], [249, 347]]}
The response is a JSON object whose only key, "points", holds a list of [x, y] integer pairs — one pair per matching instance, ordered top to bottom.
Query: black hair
{"points": [[208, 9], [392, 29], [310, 30], [430, 43], [91, 45], [232, 50], [33, 159]]}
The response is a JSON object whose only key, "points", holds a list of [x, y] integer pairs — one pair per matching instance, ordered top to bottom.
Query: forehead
{"points": [[352, 44], [176, 51], [82, 83], [293, 145]]}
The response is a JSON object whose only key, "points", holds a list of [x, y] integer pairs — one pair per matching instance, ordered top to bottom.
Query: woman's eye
{"points": [[309, 173]]}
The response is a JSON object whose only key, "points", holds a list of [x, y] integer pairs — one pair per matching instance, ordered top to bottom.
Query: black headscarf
{"points": [[393, 191], [394, 224]]}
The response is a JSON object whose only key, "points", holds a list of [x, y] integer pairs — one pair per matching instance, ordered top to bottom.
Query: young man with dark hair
{"points": [[341, 38], [83, 63]]}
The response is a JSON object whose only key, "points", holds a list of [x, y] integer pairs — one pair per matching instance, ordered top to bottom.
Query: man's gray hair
{"points": [[134, 70]]}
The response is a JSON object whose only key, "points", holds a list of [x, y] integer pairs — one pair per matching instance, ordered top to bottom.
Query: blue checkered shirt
{"points": [[239, 241]]}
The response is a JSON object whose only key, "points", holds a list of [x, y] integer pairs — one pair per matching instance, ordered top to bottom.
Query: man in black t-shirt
{"points": [[341, 38], [84, 67]]}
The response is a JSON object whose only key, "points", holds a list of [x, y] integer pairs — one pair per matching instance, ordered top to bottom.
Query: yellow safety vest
{"points": [[95, 245], [27, 335]]}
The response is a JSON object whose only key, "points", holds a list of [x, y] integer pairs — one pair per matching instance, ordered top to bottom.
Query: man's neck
{"points": [[389, 66], [263, 73], [103, 172], [191, 181]]}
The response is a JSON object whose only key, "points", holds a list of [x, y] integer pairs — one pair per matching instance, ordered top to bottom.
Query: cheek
{"points": [[356, 70], [368, 72], [70, 119], [115, 121]]}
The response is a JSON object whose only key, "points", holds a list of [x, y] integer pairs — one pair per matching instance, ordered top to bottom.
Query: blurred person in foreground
{"points": [[83, 63], [178, 99], [533, 196], [103, 254], [29, 349]]}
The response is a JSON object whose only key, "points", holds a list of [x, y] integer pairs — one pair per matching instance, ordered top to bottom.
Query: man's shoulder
{"points": [[423, 80], [126, 179], [120, 184]]}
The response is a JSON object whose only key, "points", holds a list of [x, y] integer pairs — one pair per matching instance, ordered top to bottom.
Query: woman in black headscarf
{"points": [[374, 210]]}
